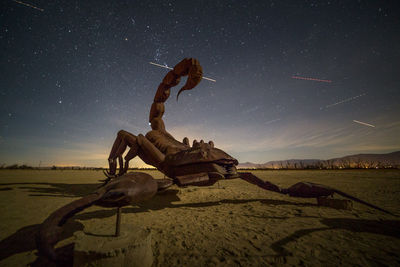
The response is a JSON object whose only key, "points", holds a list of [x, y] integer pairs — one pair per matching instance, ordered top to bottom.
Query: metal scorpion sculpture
{"points": [[201, 164]]}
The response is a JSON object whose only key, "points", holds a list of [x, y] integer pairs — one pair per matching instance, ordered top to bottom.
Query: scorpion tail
{"points": [[188, 66], [51, 229]]}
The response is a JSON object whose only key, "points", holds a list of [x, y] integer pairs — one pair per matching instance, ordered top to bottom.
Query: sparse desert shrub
{"points": [[12, 167]]}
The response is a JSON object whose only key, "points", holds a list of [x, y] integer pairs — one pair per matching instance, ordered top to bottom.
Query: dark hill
{"points": [[389, 160]]}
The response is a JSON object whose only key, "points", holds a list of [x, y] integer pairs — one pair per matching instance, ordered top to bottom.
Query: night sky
{"points": [[75, 73]]}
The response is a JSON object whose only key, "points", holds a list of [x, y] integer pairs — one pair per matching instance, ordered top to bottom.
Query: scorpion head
{"points": [[202, 157]]}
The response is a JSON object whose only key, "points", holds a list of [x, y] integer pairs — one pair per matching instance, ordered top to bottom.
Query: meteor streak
{"points": [[29, 5], [166, 67], [311, 79], [344, 101], [272, 121], [363, 123]]}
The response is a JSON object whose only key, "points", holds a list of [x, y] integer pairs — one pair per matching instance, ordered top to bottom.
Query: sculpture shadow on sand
{"points": [[381, 227], [23, 240]]}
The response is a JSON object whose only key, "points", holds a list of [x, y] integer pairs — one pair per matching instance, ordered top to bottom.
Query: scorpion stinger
{"points": [[195, 75]]}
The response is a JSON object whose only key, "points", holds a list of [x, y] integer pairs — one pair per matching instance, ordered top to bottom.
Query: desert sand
{"points": [[232, 223]]}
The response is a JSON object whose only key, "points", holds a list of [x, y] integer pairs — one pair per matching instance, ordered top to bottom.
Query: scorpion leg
{"points": [[123, 140], [139, 146], [121, 149], [149, 153], [130, 155], [251, 178], [304, 190]]}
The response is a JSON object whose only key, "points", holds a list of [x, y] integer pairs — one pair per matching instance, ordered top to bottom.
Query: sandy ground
{"points": [[232, 223]]}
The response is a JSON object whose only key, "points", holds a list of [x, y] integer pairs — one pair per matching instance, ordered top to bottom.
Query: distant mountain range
{"points": [[389, 160]]}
